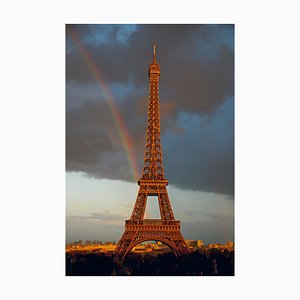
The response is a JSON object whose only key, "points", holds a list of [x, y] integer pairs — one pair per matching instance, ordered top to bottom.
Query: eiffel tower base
{"points": [[167, 232]]}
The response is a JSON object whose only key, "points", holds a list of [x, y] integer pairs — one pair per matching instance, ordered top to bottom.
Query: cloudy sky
{"points": [[106, 113]]}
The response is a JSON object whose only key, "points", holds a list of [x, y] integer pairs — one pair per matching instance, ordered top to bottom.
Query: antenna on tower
{"points": [[154, 53]]}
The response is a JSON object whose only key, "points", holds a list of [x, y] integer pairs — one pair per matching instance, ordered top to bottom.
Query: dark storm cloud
{"points": [[196, 62], [196, 78], [93, 145], [204, 156]]}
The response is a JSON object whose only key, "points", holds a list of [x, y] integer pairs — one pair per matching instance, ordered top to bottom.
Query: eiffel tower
{"points": [[152, 183]]}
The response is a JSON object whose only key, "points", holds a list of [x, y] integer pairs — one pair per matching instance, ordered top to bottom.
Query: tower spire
{"points": [[154, 53]]}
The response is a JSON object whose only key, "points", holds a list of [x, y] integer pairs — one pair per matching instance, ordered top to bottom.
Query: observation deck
{"points": [[153, 224]]}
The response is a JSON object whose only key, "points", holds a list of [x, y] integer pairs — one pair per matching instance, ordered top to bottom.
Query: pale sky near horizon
{"points": [[97, 208]]}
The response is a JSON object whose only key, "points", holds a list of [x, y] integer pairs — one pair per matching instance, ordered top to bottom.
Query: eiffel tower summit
{"points": [[152, 183]]}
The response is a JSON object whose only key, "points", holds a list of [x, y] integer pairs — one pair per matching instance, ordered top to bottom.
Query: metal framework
{"points": [[152, 183]]}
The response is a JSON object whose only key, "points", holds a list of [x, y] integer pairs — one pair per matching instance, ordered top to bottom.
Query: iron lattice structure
{"points": [[152, 183]]}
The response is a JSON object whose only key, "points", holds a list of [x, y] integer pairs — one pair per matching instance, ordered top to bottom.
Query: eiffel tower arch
{"points": [[152, 183]]}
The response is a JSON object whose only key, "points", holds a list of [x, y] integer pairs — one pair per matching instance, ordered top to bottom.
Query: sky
{"points": [[107, 88]]}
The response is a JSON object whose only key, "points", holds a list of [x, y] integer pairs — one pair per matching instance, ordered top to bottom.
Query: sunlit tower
{"points": [[152, 183]]}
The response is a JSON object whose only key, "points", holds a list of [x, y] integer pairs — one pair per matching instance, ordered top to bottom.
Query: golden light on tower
{"points": [[152, 183]]}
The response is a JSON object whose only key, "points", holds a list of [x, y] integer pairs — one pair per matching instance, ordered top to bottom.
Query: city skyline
{"points": [[106, 107]]}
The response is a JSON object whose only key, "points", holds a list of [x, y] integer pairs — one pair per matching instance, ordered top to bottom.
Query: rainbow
{"points": [[113, 107]]}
